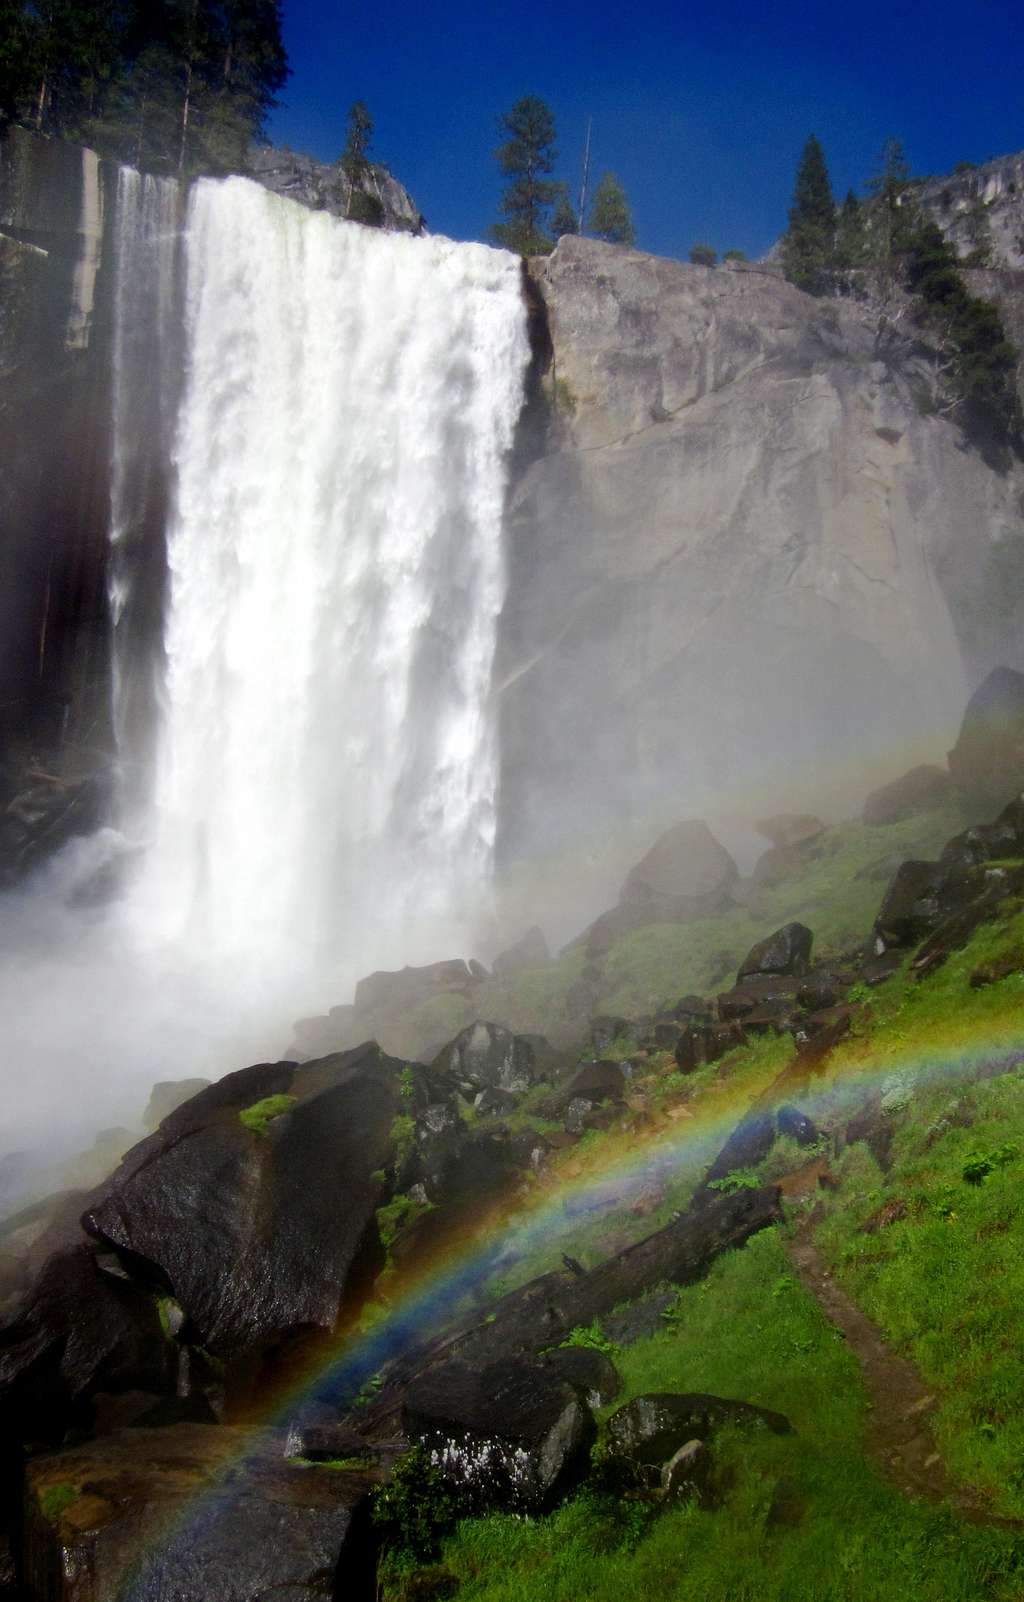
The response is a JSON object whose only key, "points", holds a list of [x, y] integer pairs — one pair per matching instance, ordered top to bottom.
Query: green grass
{"points": [[258, 1116], [946, 1282], [748, 1332]]}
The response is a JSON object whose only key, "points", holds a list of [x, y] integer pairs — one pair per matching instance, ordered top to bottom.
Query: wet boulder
{"points": [[987, 762], [920, 790], [529, 951], [787, 951], [700, 1044], [485, 1056], [595, 1082], [796, 1124], [220, 1206], [78, 1331], [588, 1371], [650, 1429], [514, 1434], [689, 1475], [194, 1512]]}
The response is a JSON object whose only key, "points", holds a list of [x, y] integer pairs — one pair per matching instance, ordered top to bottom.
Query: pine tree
{"points": [[357, 141], [527, 158], [609, 212], [564, 219], [808, 246], [851, 248]]}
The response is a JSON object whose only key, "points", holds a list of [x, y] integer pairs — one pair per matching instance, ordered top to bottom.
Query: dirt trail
{"points": [[900, 1404]]}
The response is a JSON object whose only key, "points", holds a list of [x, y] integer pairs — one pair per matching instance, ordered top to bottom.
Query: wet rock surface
{"points": [[650, 1429], [511, 1434], [195, 1512]]}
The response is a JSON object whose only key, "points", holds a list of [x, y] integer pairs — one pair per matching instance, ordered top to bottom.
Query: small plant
{"points": [[859, 993], [407, 1086], [258, 1116], [403, 1133], [978, 1165], [739, 1179], [591, 1336], [368, 1390], [54, 1500], [417, 1509]]}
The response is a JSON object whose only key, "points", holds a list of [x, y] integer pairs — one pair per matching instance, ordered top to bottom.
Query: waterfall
{"points": [[145, 362], [326, 770]]}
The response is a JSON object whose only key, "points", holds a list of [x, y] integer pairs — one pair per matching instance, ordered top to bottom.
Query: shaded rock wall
{"points": [[54, 469]]}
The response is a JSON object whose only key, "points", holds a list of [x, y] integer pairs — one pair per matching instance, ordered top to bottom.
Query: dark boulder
{"points": [[987, 762], [919, 790], [529, 951], [787, 951], [759, 991], [700, 1044], [485, 1056], [595, 1082], [582, 1114], [792, 1122], [748, 1145], [225, 1212], [638, 1320], [79, 1331], [588, 1371], [650, 1429], [513, 1435], [689, 1475], [195, 1512]]}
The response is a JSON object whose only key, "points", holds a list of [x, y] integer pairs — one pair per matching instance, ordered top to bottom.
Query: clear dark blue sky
{"points": [[700, 109]]}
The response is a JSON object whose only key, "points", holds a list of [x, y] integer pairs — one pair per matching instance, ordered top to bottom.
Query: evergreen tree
{"points": [[175, 85], [357, 140], [527, 158], [609, 212], [564, 219], [808, 246], [851, 248], [703, 255], [980, 371]]}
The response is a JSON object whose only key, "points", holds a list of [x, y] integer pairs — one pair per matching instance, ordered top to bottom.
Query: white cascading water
{"points": [[326, 772], [323, 793]]}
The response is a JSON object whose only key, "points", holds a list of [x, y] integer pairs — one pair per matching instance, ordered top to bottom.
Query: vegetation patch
{"points": [[258, 1116], [54, 1500]]}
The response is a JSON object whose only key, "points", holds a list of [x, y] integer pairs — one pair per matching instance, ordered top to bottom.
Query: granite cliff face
{"points": [[739, 555]]}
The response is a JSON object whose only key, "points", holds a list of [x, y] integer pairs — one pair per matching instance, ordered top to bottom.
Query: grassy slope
{"points": [[946, 1284], [748, 1330]]}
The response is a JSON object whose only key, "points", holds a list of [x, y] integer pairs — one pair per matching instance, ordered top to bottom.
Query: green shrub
{"points": [[592, 1337], [416, 1510]]}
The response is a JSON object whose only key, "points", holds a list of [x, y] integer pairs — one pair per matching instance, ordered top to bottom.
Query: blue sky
{"points": [[701, 110]]}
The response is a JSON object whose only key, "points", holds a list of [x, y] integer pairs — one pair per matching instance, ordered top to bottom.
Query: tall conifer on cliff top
{"points": [[808, 246]]}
